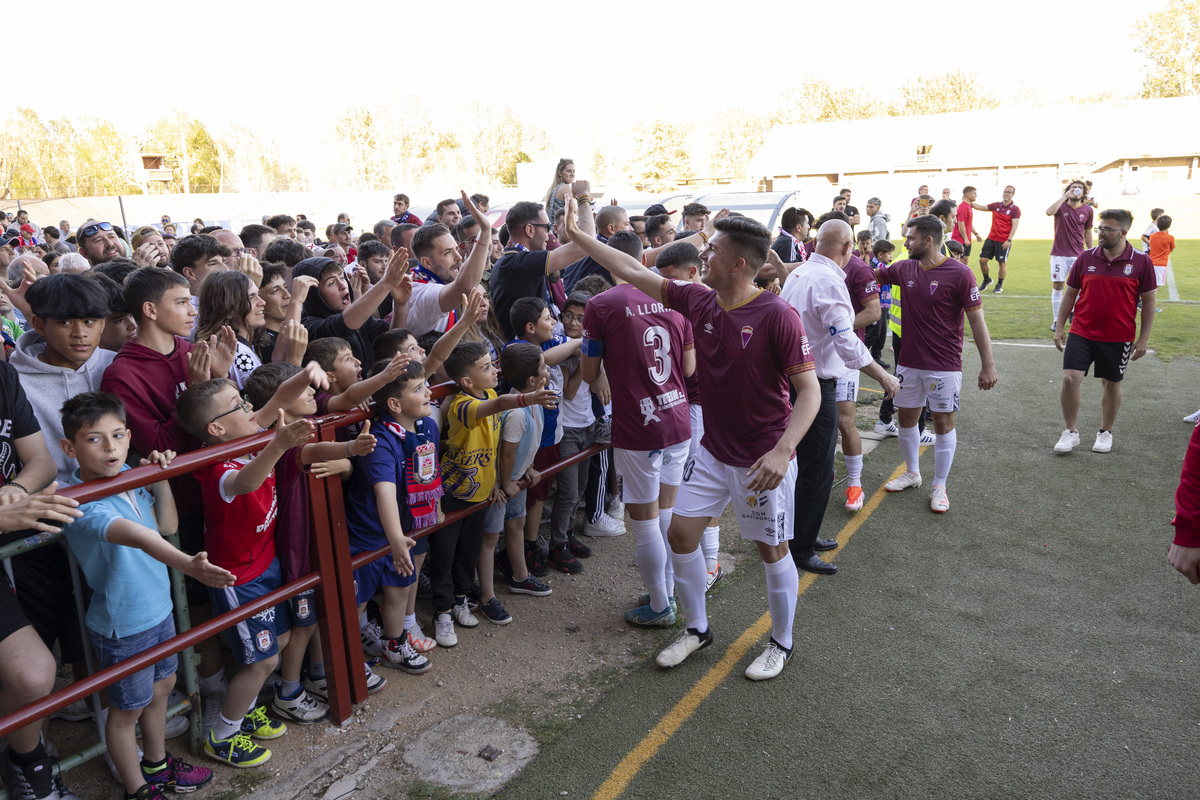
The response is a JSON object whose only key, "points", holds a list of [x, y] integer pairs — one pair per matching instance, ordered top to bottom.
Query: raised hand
{"points": [[250, 267], [223, 348], [199, 363], [317, 376], [293, 434]]}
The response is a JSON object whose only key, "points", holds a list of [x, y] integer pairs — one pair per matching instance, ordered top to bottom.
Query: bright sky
{"points": [[631, 61]]}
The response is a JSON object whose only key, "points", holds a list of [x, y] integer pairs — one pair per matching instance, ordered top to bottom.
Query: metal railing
{"points": [[332, 577]]}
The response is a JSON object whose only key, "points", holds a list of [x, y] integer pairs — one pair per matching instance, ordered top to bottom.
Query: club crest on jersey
{"points": [[1129, 269], [933, 286], [747, 332], [262, 640]]}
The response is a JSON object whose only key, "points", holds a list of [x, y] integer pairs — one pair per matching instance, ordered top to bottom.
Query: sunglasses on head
{"points": [[88, 231]]}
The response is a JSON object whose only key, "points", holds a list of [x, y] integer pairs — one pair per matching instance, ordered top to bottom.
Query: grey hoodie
{"points": [[49, 387]]}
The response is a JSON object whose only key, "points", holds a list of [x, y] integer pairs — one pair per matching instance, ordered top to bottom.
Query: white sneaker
{"points": [[1192, 417], [886, 428], [928, 436], [1067, 442], [1103, 442], [909, 480], [938, 502], [616, 509], [605, 526], [463, 616], [443, 631], [372, 639], [687, 643], [770, 663], [374, 682], [302, 708], [211, 711], [75, 712]]}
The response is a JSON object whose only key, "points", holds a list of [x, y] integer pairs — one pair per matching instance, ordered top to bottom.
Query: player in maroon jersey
{"points": [[749, 344]]}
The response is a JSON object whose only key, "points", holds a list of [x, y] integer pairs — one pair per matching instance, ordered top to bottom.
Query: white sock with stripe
{"points": [[910, 449], [854, 470], [711, 545], [651, 561], [691, 580], [783, 584]]}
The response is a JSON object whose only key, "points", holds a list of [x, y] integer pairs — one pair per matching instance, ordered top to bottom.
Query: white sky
{"points": [[575, 72]]}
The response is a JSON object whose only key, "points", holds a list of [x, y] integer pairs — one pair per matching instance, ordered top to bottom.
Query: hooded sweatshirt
{"points": [[322, 321], [148, 383], [48, 387]]}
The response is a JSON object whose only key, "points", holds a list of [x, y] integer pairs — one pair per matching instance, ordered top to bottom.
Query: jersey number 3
{"points": [[658, 340]]}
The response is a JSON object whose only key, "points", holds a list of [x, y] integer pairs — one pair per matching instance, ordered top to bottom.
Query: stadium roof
{"points": [[1091, 135]]}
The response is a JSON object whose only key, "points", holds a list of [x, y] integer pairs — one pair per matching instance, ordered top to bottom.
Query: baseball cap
{"points": [[657, 209], [342, 226], [27, 229], [140, 235]]}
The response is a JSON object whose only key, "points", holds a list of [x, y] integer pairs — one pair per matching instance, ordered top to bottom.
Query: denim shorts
{"points": [[497, 514], [136, 691]]}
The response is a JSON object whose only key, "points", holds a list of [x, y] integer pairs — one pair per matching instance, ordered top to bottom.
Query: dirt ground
{"points": [[537, 673]]}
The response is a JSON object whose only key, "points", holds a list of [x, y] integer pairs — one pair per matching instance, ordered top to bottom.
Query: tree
{"points": [[1167, 39], [942, 94], [660, 161]]}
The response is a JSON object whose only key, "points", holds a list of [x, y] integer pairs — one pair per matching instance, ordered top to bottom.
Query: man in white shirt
{"points": [[443, 279], [817, 290]]}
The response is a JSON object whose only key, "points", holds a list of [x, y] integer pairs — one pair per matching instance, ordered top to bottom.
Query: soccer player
{"points": [[1005, 219], [964, 221], [1072, 234], [1103, 288], [937, 291], [747, 340], [647, 352]]}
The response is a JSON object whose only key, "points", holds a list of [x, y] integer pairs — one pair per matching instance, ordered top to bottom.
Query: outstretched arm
{"points": [[622, 266]]}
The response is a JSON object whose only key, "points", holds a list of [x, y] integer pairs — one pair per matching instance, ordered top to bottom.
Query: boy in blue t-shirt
{"points": [[531, 320], [395, 490], [122, 553]]}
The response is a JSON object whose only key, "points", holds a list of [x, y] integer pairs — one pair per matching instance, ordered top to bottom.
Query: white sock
{"points": [[1056, 301], [910, 449], [943, 456], [854, 470], [664, 524], [710, 544], [651, 561], [690, 582], [783, 584], [410, 621], [213, 684], [225, 728]]}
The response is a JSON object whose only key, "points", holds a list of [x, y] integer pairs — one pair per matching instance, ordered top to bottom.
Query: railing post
{"points": [[338, 641]]}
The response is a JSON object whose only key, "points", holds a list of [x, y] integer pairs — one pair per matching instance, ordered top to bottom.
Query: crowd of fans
{"points": [[127, 348]]}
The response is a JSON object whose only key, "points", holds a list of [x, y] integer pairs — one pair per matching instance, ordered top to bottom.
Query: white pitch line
{"points": [[1172, 290]]}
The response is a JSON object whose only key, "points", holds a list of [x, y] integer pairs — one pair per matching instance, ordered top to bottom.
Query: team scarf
{"points": [[797, 247], [422, 275], [422, 478]]}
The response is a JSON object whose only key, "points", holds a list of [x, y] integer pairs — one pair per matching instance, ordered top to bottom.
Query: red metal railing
{"points": [[332, 576]]}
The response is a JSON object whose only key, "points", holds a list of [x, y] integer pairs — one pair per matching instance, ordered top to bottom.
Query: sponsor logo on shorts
{"points": [[937, 385], [757, 500], [267, 615], [262, 640]]}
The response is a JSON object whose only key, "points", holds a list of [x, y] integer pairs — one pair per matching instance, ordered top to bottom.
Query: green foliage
{"points": [[1168, 40]]}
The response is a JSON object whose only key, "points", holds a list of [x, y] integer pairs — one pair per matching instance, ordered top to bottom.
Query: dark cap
{"points": [[657, 209], [342, 226]]}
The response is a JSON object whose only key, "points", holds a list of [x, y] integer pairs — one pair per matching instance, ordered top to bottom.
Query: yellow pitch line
{"points": [[621, 776]]}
